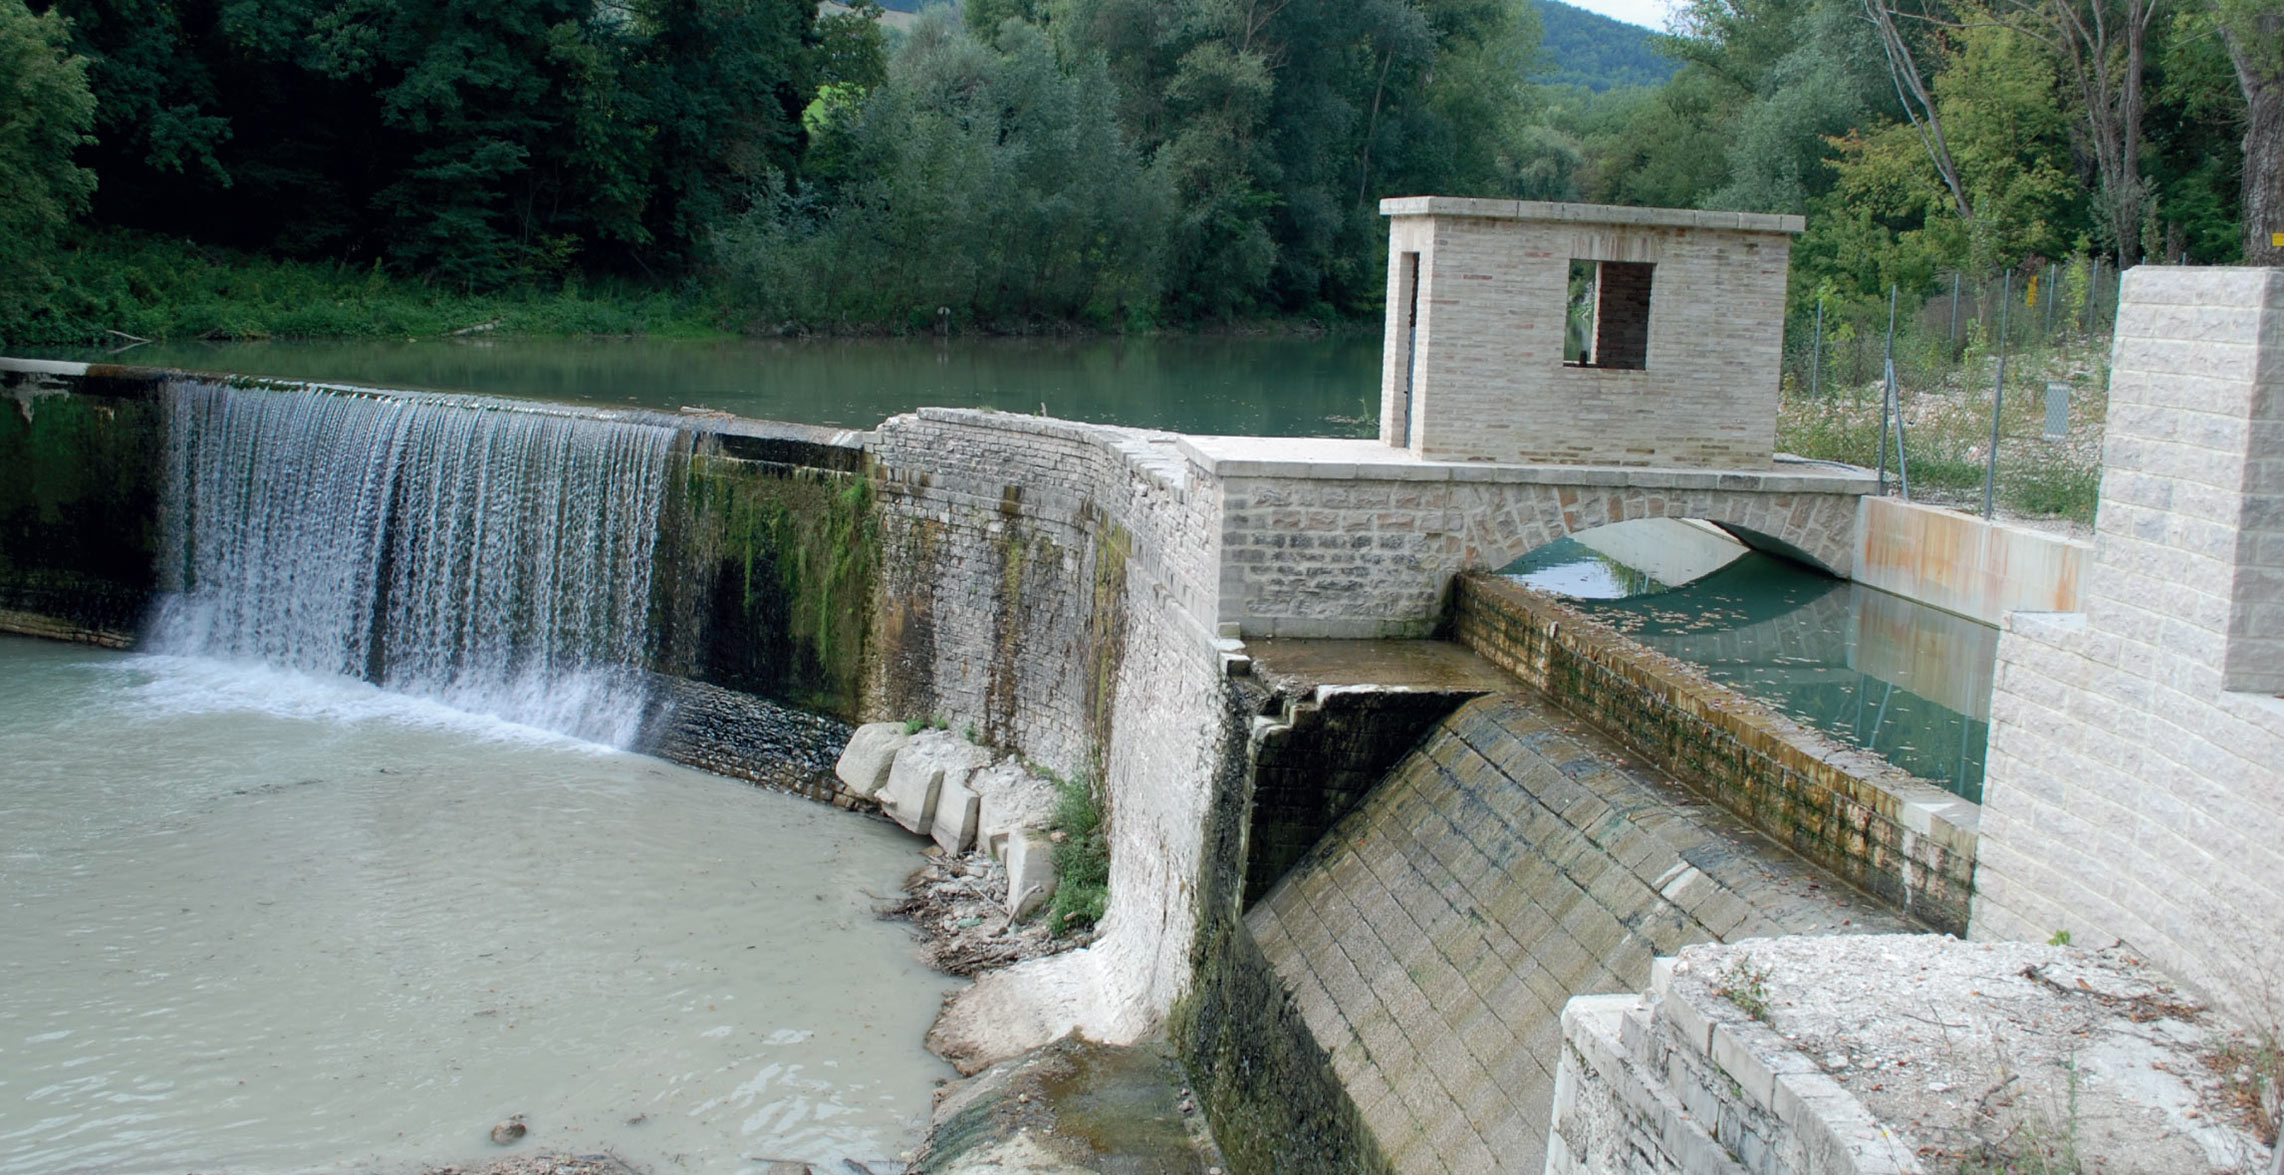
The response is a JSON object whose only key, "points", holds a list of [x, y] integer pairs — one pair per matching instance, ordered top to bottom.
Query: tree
{"points": [[2254, 32], [2103, 47], [46, 111]]}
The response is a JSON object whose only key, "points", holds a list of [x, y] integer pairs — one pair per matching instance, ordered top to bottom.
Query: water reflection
{"points": [[1281, 386], [1908, 682]]}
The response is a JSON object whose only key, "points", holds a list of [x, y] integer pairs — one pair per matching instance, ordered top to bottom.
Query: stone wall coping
{"points": [[1610, 214], [1340, 459]]}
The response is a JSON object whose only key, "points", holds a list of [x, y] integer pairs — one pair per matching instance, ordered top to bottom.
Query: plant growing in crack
{"points": [[1745, 985]]}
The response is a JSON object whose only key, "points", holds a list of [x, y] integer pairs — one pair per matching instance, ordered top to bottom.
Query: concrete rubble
{"points": [[1904, 1053]]}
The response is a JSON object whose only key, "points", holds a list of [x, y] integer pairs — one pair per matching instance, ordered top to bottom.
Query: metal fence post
{"points": [[1954, 314], [1816, 354], [1998, 400]]}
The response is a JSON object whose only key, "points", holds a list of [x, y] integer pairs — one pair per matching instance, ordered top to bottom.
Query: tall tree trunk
{"points": [[2255, 36], [2102, 44], [1918, 104]]}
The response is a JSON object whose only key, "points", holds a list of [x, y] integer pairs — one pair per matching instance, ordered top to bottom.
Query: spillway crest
{"points": [[494, 556]]}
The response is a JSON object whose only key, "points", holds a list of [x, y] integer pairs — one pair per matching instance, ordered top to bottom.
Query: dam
{"points": [[1359, 901]]}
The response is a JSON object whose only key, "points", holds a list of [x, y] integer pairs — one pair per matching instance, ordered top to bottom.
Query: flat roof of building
{"points": [[1546, 210]]}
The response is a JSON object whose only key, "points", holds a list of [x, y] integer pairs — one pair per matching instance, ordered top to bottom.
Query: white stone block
{"points": [[864, 763], [922, 767], [1012, 799], [955, 824], [1030, 871]]}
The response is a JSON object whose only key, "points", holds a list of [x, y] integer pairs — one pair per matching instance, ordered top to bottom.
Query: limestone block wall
{"points": [[1484, 362], [1043, 581], [2136, 776], [1903, 839], [1430, 942], [1894, 1054]]}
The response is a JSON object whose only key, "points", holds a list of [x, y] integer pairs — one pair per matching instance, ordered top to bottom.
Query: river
{"points": [[1248, 386], [258, 921]]}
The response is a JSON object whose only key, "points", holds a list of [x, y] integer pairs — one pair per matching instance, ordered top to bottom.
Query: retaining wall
{"points": [[80, 477], [1960, 563], [1043, 582], [1903, 839]]}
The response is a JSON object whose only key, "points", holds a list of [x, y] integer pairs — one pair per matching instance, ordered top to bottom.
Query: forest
{"points": [[272, 168]]}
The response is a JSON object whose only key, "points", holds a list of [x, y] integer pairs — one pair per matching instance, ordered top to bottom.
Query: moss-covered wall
{"points": [[80, 477], [766, 579], [1269, 1089]]}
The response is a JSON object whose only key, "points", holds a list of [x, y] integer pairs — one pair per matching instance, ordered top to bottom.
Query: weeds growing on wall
{"points": [[795, 553], [1082, 858]]}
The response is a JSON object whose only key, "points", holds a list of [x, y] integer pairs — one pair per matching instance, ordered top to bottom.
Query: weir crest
{"points": [[496, 559]]}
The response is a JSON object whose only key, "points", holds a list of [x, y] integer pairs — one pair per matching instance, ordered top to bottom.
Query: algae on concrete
{"points": [[80, 478]]}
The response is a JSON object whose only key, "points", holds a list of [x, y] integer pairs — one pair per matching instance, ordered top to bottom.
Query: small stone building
{"points": [[1582, 334]]}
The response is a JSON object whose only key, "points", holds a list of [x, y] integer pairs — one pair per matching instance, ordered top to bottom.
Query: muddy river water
{"points": [[260, 922]]}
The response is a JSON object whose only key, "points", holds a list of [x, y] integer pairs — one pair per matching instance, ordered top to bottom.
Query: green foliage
{"points": [[45, 113], [480, 145], [985, 179], [158, 288], [1082, 858], [1746, 986]]}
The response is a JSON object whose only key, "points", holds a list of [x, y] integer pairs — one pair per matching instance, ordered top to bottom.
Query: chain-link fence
{"points": [[2046, 328]]}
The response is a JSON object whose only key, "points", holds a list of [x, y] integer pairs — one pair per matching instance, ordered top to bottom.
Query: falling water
{"points": [[493, 556]]}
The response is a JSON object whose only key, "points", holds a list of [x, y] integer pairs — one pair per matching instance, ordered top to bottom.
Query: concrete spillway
{"points": [[1513, 860]]}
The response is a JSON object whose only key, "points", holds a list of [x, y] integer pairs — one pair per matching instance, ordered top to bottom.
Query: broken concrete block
{"points": [[864, 763], [922, 766], [1012, 798], [955, 823], [1030, 871]]}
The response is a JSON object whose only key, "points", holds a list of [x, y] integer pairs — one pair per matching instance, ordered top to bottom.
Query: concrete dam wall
{"points": [[1392, 997]]}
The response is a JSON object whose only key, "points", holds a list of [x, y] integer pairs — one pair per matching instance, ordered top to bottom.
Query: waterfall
{"points": [[491, 555]]}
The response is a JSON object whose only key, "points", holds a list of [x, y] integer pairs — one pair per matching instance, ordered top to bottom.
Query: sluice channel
{"points": [[1905, 681]]}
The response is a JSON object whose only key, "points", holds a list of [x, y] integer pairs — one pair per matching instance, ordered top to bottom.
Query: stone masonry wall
{"points": [[1491, 384], [81, 471], [1344, 546], [1042, 582], [2136, 778], [1903, 839], [1431, 941], [1895, 1054]]}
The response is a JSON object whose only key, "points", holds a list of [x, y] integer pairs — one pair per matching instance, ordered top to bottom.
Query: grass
{"points": [[165, 289], [1947, 415], [1082, 858], [1746, 986]]}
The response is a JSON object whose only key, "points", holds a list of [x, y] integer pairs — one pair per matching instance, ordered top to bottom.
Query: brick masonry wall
{"points": [[1491, 383], [2136, 779], [1902, 839], [1431, 941]]}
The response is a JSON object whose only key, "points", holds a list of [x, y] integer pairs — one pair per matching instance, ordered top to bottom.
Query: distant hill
{"points": [[1588, 49]]}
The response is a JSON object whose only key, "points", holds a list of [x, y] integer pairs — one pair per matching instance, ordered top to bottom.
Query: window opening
{"points": [[1410, 271], [1608, 321]]}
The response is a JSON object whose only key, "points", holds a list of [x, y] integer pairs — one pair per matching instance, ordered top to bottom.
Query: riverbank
{"points": [[117, 289]]}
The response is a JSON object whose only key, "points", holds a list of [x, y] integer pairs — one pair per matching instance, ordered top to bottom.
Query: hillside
{"points": [[1588, 49]]}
